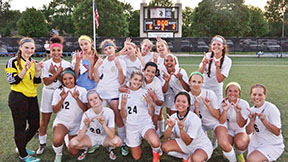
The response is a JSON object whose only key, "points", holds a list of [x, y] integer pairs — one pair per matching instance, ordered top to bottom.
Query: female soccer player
{"points": [[146, 47], [84, 61], [215, 66], [51, 71], [23, 73], [109, 74], [176, 80], [69, 102], [204, 104], [136, 108], [235, 114], [97, 127], [184, 134], [266, 143]]}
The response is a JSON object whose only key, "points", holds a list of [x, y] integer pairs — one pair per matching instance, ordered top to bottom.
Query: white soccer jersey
{"points": [[148, 57], [131, 66], [45, 72], [211, 82], [175, 83], [108, 85], [156, 86], [137, 110], [70, 111], [231, 114], [206, 117], [192, 127], [95, 128], [261, 134]]}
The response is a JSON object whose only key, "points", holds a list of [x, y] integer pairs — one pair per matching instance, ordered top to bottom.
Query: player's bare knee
{"points": [[136, 156], [196, 158]]}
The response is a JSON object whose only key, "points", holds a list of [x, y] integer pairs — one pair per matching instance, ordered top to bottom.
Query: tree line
{"points": [[230, 18]]}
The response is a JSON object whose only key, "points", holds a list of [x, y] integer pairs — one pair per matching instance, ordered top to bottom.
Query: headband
{"points": [[85, 37], [218, 39], [26, 40], [107, 44], [56, 45], [68, 71], [196, 73], [233, 83], [91, 92]]}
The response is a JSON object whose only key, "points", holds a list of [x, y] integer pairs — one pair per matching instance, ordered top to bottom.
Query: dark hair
{"points": [[57, 39], [19, 52], [224, 52], [153, 65], [70, 71], [258, 86], [185, 94]]}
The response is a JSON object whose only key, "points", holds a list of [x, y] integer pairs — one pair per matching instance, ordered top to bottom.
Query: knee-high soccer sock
{"points": [[161, 125], [122, 134], [42, 139], [66, 140], [58, 150], [155, 150], [239, 151], [178, 155], [230, 155]]}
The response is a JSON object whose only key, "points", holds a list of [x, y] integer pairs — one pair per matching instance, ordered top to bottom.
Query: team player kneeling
{"points": [[83, 122]]}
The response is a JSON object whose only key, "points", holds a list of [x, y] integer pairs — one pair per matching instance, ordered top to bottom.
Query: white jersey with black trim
{"points": [[148, 57], [131, 66], [46, 74], [175, 83], [108, 85], [156, 86], [137, 109], [70, 111], [231, 114], [206, 117], [95, 128], [193, 128], [261, 134]]}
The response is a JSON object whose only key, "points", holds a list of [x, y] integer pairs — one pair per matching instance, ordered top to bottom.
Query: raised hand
{"points": [[128, 40], [78, 55], [155, 57], [91, 58], [205, 59], [217, 61], [99, 62], [117, 63], [27, 65], [39, 65], [59, 68], [52, 69], [179, 74], [166, 76], [64, 94], [75, 94], [152, 94], [124, 99], [148, 99], [206, 101], [196, 102], [225, 106], [237, 106], [251, 115], [261, 116], [101, 119], [87, 120], [170, 122], [181, 123]]}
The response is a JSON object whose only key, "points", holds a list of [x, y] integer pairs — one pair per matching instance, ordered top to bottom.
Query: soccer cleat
{"points": [[93, 148], [41, 149], [124, 150], [29, 152], [160, 152], [82, 155], [112, 155], [156, 157], [29, 158], [58, 158], [240, 158], [187, 160]]}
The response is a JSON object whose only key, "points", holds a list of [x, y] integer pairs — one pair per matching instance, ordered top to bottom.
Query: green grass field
{"points": [[272, 72]]}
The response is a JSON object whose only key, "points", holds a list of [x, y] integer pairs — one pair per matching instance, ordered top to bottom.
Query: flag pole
{"points": [[94, 25]]}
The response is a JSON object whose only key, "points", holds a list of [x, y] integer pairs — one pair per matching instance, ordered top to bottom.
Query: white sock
{"points": [[161, 125], [158, 132], [122, 134], [43, 139], [66, 140], [58, 150], [155, 150], [239, 151], [178, 155], [230, 155]]}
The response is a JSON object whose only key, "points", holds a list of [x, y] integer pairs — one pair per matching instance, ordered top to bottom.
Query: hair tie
{"points": [[56, 45]]}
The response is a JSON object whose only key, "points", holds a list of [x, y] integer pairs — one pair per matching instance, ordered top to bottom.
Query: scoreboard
{"points": [[160, 25]]}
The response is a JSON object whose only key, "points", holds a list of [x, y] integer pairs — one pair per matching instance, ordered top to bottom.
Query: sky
{"points": [[23, 4]]}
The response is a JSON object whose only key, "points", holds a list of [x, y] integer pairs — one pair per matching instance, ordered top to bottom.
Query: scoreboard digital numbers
{"points": [[160, 25]]}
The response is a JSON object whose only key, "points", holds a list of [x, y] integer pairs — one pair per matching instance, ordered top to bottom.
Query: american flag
{"points": [[96, 15]]}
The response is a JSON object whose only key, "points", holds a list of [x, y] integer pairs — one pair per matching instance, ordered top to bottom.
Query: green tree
{"points": [[161, 3], [58, 13], [274, 15], [225, 17], [8, 18], [112, 20], [187, 22], [32, 23], [134, 24], [258, 24]]}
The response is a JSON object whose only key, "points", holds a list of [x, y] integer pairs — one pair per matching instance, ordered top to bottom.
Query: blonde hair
{"points": [[146, 41], [162, 41]]}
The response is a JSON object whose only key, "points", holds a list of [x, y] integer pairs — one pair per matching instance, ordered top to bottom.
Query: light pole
{"points": [[283, 24]]}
